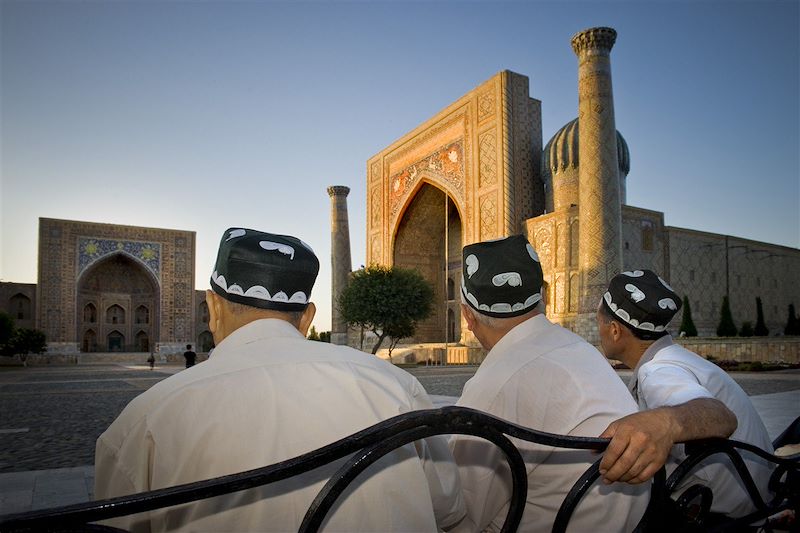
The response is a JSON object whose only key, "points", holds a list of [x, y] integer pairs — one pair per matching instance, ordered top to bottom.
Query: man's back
{"points": [[675, 375], [541, 376], [268, 395]]}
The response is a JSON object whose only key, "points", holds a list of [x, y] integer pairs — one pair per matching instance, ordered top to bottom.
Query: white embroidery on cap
{"points": [[235, 233], [285, 249], [532, 252], [472, 265], [634, 274], [512, 278], [664, 283], [235, 289], [257, 291], [636, 295], [280, 297], [298, 298], [667, 303]]}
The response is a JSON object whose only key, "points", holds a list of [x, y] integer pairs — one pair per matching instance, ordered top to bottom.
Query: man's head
{"points": [[260, 275], [501, 286], [634, 312], [188, 346]]}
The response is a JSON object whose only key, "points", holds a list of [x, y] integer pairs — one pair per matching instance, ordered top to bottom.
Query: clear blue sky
{"points": [[205, 115]]}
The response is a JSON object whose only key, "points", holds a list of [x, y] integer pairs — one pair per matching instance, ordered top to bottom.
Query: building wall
{"points": [[70, 249], [707, 266], [19, 301]]}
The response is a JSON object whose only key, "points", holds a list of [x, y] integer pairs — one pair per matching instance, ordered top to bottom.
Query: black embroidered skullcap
{"points": [[264, 270], [501, 278], [641, 300]]}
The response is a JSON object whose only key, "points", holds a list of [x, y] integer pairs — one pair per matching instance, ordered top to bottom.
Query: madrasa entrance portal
{"points": [[428, 238], [117, 306]]}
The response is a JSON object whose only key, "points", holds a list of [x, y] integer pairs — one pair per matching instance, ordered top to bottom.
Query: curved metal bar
{"points": [[446, 418], [359, 462], [574, 496], [652, 519]]}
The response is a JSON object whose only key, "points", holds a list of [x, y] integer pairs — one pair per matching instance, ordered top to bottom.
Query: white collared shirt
{"points": [[667, 375], [541, 376], [267, 394]]}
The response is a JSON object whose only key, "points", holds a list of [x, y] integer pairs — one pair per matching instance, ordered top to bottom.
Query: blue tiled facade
{"points": [[92, 249]]}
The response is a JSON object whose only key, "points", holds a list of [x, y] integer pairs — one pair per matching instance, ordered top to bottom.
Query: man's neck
{"points": [[492, 336], [633, 352]]}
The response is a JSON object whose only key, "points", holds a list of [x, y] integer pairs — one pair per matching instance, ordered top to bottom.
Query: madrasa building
{"points": [[477, 171], [110, 288]]}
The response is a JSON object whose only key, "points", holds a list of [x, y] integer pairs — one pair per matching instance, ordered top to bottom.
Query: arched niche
{"points": [[429, 238], [118, 294], [20, 307]]}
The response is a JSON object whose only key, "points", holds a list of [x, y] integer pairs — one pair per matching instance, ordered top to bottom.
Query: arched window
{"points": [[647, 236], [573, 242], [451, 289], [572, 291], [20, 306], [203, 312], [90, 313], [115, 315], [142, 315], [451, 326], [89, 341], [116, 341], [205, 341], [142, 342]]}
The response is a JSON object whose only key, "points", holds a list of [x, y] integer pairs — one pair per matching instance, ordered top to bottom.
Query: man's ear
{"points": [[214, 312], [469, 317], [307, 318], [616, 330]]}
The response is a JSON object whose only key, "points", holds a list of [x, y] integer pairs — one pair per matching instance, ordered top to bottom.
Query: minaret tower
{"points": [[599, 208], [340, 258]]}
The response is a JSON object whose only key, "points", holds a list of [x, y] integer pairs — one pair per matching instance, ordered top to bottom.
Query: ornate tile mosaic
{"points": [[92, 249]]}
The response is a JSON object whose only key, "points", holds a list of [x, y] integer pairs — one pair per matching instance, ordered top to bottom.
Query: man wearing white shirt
{"points": [[268, 394], [693, 396]]}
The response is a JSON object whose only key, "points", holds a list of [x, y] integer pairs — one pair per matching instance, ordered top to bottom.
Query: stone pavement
{"points": [[52, 416]]}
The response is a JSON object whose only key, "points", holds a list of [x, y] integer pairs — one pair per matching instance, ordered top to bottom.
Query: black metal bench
{"points": [[689, 513]]}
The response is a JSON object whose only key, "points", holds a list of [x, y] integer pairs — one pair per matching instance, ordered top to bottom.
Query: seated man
{"points": [[632, 320], [541, 376], [268, 394]]}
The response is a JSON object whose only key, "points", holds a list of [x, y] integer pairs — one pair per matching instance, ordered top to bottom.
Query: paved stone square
{"points": [[52, 416]]}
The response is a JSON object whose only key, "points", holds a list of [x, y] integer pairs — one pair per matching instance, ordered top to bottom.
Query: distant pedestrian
{"points": [[190, 356], [151, 360]]}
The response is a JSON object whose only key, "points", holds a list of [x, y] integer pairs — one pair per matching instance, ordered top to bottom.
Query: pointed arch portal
{"points": [[429, 238], [116, 295]]}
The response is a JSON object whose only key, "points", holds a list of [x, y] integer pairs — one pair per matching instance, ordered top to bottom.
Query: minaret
{"points": [[599, 211], [340, 258]]}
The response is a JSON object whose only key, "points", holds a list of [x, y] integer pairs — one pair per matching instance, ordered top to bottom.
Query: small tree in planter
{"points": [[792, 323], [687, 324], [726, 327], [761, 327], [746, 330]]}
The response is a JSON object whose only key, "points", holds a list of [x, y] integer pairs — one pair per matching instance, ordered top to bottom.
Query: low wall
{"points": [[750, 349], [130, 358]]}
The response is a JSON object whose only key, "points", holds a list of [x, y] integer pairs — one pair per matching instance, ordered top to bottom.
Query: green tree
{"points": [[388, 301], [792, 323], [687, 324], [726, 327], [761, 328], [746, 330], [6, 333], [312, 334], [325, 336], [27, 341]]}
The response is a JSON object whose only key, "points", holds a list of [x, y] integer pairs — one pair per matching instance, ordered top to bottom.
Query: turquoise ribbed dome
{"points": [[561, 152]]}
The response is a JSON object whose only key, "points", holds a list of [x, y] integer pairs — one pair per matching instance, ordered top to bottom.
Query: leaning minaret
{"points": [[599, 211], [340, 258]]}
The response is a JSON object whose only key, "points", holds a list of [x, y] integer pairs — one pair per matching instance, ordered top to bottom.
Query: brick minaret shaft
{"points": [[599, 208], [340, 258]]}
